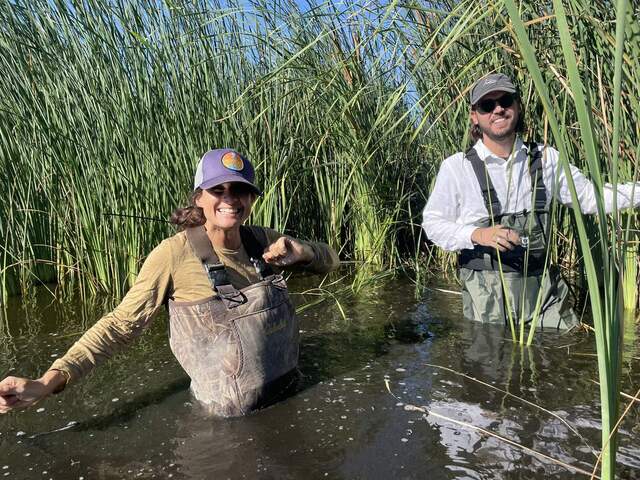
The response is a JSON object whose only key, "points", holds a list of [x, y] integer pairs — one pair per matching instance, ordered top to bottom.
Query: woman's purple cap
{"points": [[221, 166]]}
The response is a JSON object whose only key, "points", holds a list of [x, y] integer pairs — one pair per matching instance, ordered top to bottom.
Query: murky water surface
{"points": [[380, 390]]}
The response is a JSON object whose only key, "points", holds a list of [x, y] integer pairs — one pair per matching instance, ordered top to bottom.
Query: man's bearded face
{"points": [[500, 123]]}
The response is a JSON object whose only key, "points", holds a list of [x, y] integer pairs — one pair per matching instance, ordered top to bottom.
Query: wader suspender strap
{"points": [[488, 192], [489, 195], [491, 201], [539, 202], [255, 248], [216, 271]]}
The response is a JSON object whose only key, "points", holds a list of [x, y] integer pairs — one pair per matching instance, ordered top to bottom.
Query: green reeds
{"points": [[577, 63], [108, 106], [630, 278], [605, 296]]}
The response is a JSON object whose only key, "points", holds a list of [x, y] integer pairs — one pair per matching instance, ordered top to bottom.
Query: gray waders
{"points": [[485, 295], [240, 347]]}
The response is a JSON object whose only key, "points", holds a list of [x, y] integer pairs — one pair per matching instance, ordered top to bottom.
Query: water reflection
{"points": [[135, 418]]}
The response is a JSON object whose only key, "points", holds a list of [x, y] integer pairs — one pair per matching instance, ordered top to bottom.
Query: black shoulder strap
{"points": [[491, 201], [539, 202], [255, 241], [201, 245], [217, 273]]}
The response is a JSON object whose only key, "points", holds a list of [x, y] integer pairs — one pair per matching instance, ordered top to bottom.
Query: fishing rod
{"points": [[138, 217]]}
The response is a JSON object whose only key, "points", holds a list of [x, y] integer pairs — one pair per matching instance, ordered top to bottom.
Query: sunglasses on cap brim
{"points": [[487, 105]]}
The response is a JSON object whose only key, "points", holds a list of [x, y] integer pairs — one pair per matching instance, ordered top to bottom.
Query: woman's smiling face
{"points": [[226, 206]]}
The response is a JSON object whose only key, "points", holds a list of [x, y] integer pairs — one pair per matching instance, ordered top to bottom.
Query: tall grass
{"points": [[579, 67], [108, 106], [345, 109], [611, 253]]}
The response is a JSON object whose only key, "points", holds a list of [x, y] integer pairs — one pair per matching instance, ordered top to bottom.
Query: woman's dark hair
{"points": [[475, 134], [191, 216]]}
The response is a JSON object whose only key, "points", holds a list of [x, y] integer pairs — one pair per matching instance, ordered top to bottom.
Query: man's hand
{"points": [[498, 237], [287, 251], [17, 393]]}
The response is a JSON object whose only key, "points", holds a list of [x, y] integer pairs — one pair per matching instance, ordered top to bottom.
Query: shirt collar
{"points": [[487, 156]]}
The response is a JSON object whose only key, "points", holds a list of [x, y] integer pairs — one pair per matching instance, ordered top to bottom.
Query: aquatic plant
{"points": [[579, 77], [108, 106], [346, 112], [611, 250]]}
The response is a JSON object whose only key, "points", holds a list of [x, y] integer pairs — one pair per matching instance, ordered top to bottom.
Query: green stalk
{"points": [[606, 313]]}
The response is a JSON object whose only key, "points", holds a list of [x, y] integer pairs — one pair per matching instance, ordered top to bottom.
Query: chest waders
{"points": [[484, 289], [240, 347]]}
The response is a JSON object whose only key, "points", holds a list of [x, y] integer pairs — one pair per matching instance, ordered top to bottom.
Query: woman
{"points": [[232, 326]]}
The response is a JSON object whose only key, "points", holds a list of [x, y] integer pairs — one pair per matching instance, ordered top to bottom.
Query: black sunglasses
{"points": [[487, 105], [235, 188]]}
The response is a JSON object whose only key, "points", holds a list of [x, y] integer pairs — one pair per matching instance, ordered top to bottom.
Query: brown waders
{"points": [[486, 292], [240, 347]]}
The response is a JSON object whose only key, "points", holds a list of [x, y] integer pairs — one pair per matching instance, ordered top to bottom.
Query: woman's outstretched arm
{"points": [[109, 335]]}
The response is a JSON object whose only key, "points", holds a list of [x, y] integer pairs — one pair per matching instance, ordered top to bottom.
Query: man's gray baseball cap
{"points": [[494, 82]]}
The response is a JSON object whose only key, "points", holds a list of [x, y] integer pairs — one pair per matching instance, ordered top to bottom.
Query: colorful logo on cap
{"points": [[232, 161]]}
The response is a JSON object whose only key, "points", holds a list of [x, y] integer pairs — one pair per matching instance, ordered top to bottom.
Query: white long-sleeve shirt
{"points": [[456, 201]]}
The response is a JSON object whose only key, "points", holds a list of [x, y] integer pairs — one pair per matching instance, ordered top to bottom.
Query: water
{"points": [[355, 415]]}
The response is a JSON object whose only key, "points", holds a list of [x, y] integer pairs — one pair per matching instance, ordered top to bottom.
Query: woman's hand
{"points": [[499, 237], [287, 251], [17, 393]]}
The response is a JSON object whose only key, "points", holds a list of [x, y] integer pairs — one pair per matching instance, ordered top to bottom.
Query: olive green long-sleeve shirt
{"points": [[171, 271]]}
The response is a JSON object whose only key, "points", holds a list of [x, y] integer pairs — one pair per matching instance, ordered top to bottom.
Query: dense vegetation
{"points": [[346, 110]]}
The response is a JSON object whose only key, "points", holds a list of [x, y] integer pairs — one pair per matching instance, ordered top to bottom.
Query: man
{"points": [[491, 205]]}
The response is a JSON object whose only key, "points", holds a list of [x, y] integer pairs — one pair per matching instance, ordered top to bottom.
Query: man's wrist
{"points": [[475, 236]]}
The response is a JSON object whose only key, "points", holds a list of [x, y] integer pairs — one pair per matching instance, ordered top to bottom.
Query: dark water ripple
{"points": [[354, 416]]}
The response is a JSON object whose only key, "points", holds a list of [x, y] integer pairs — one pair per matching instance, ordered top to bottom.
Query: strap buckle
{"points": [[212, 267], [260, 267], [217, 274], [230, 296]]}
